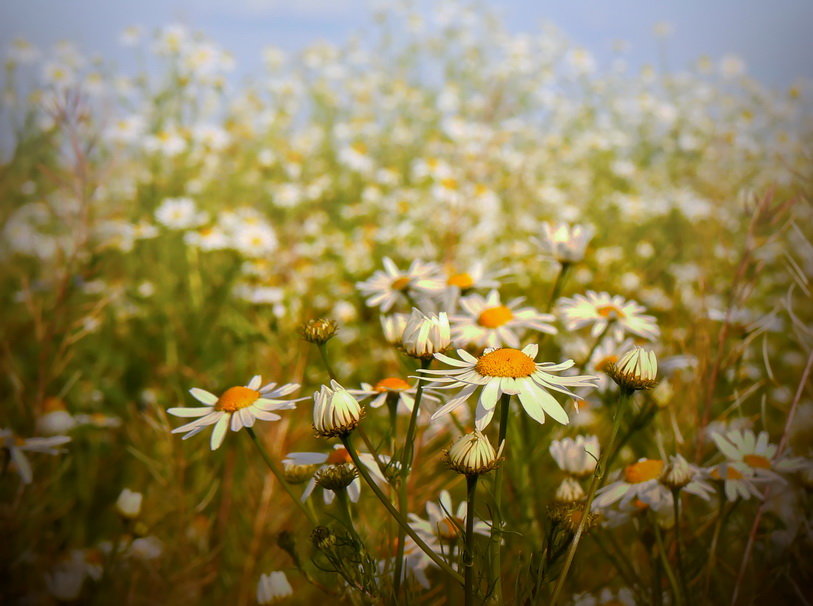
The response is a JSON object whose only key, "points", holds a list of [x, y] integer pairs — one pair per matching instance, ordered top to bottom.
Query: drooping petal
{"points": [[203, 396], [219, 432]]}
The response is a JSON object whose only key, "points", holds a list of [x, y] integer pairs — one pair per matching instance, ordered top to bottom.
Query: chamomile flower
{"points": [[565, 243], [392, 285], [598, 310], [487, 322], [507, 371], [395, 386], [237, 407], [16, 448], [755, 452], [339, 456], [576, 457], [737, 480], [642, 482], [443, 521], [415, 561], [273, 587]]}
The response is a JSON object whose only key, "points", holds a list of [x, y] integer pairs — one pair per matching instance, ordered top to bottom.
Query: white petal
{"points": [[255, 382], [490, 394], [203, 396], [189, 412], [219, 432]]}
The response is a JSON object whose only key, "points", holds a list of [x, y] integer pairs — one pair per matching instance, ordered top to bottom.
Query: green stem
{"points": [[558, 285], [600, 338], [323, 353], [641, 420], [348, 444], [406, 464], [275, 470], [599, 475], [347, 518], [495, 540], [679, 550], [468, 555], [666, 565]]}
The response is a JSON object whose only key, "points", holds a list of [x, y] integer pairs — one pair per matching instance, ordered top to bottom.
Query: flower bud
{"points": [[564, 242], [393, 327], [319, 330], [424, 336], [637, 369], [335, 411], [472, 454], [677, 473], [336, 477], [569, 491], [129, 504], [323, 538], [273, 588]]}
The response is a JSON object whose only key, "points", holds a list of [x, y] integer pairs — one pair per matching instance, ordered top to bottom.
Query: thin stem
{"points": [[558, 285], [600, 338], [323, 353], [346, 440], [406, 464], [275, 470], [599, 476], [347, 518], [495, 539], [714, 540], [678, 541], [468, 555], [666, 565]]}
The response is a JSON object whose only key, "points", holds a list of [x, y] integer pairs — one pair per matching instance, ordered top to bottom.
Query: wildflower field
{"points": [[449, 315]]}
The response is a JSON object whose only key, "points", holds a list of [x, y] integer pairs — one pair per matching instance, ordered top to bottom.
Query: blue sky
{"points": [[774, 38]]}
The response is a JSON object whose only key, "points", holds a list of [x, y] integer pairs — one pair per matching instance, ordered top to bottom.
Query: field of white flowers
{"points": [[554, 318]]}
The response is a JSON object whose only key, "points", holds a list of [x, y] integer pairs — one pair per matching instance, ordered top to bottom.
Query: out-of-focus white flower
{"points": [[180, 213], [565, 243], [386, 288], [597, 310], [487, 322], [393, 326], [55, 420], [17, 447], [576, 457], [129, 503], [273, 587]]}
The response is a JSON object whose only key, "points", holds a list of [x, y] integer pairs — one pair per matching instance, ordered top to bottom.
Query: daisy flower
{"points": [[564, 242], [464, 282], [392, 285], [598, 310], [487, 322], [507, 371], [395, 386], [237, 407], [16, 448], [755, 452], [339, 456], [576, 457], [737, 480], [641, 482], [444, 521], [415, 561], [273, 587]]}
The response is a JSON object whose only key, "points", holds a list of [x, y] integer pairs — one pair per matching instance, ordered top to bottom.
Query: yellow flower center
{"points": [[449, 183], [462, 281], [400, 283], [609, 311], [494, 317], [505, 363], [602, 364], [391, 384], [235, 398], [339, 457], [757, 461], [642, 471], [730, 473], [639, 504]]}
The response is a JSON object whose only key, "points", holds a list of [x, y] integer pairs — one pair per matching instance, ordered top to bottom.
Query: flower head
{"points": [[565, 243], [386, 288], [598, 310], [319, 330], [424, 336], [637, 369], [507, 371], [237, 407], [335, 411], [472, 454], [576, 457], [129, 503], [273, 587]]}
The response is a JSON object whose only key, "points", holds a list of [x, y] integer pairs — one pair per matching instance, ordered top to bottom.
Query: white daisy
{"points": [[564, 242], [463, 282], [392, 285], [599, 309], [487, 322], [507, 371], [392, 385], [237, 407], [16, 448], [756, 452], [339, 456], [576, 457], [737, 479], [444, 521]]}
